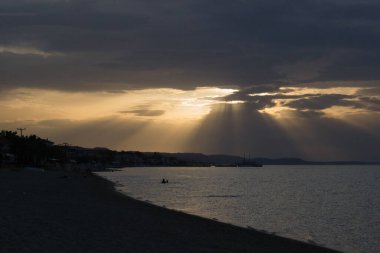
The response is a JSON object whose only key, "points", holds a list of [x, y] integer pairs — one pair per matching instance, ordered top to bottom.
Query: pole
{"points": [[21, 129]]}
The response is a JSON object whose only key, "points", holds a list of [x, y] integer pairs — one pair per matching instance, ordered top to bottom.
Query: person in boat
{"points": [[164, 181]]}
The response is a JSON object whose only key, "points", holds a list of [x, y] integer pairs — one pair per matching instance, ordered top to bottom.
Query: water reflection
{"points": [[335, 206]]}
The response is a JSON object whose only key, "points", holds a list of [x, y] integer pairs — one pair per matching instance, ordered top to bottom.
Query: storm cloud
{"points": [[101, 45]]}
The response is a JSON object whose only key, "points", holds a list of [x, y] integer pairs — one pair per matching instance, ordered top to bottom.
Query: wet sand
{"points": [[44, 212]]}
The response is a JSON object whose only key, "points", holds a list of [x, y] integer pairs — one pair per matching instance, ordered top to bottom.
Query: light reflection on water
{"points": [[335, 206]]}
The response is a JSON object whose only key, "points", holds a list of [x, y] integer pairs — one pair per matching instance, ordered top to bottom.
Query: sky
{"points": [[269, 78]]}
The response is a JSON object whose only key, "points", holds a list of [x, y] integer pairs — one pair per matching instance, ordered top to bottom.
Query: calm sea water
{"points": [[334, 206]]}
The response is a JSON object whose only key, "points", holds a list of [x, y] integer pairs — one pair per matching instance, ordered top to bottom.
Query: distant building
{"points": [[48, 143]]}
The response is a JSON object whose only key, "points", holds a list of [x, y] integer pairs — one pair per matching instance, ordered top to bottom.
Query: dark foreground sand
{"points": [[43, 212]]}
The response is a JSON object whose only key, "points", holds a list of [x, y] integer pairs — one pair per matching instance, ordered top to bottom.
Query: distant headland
{"points": [[18, 150]]}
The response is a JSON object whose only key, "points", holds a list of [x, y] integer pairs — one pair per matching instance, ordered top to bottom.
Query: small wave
{"points": [[223, 196]]}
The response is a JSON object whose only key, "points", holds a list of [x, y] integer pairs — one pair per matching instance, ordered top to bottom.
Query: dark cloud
{"points": [[83, 19], [185, 44], [255, 102], [321, 102], [370, 103], [307, 105], [145, 112]]}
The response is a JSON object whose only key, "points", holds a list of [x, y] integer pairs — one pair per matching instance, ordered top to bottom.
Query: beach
{"points": [[47, 212]]}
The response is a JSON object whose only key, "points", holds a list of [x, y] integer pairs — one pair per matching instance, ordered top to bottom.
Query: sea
{"points": [[332, 206]]}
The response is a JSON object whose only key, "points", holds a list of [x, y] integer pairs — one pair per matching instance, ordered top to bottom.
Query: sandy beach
{"points": [[45, 212]]}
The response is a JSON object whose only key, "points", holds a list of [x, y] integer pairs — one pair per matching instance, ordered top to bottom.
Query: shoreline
{"points": [[45, 212], [249, 228]]}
